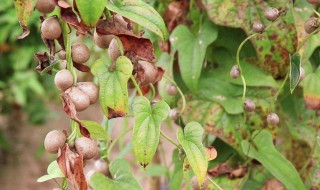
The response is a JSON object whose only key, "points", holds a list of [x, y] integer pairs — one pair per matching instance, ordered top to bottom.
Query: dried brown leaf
{"points": [[43, 60], [81, 67]]}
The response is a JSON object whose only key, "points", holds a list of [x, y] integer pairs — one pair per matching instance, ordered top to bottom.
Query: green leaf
{"points": [[24, 9], [133, 9], [91, 11], [191, 50], [295, 64], [113, 93], [96, 130], [146, 130], [191, 142], [265, 152], [53, 172], [177, 175], [122, 178]]}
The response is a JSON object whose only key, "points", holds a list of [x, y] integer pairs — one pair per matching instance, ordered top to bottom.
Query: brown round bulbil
{"points": [[45, 6], [311, 25], [50, 28], [102, 41], [113, 50], [80, 52], [150, 72], [235, 72], [63, 79], [90, 89], [171, 89], [80, 100], [174, 114], [273, 119], [54, 140], [86, 147], [101, 166]]}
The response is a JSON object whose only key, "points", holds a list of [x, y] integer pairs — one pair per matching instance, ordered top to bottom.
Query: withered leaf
{"points": [[25, 31], [43, 60], [81, 67], [70, 110], [71, 165], [220, 169]]}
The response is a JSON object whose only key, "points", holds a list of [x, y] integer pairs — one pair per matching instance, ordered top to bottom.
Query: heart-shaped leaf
{"points": [[24, 9], [133, 9], [91, 11], [191, 50], [295, 64], [113, 85], [95, 129], [146, 131], [191, 142], [264, 151], [53, 172], [122, 178]]}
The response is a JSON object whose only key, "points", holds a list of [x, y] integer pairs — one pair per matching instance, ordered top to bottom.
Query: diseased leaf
{"points": [[24, 9], [133, 9], [91, 11], [274, 46], [191, 50], [294, 75], [113, 92], [95, 129], [146, 131], [191, 141], [264, 151], [53, 172], [122, 178]]}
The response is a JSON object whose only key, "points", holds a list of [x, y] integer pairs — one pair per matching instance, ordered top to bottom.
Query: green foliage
{"points": [[91, 11], [295, 64], [96, 130], [146, 131], [190, 139], [264, 151], [53, 172], [122, 178]]}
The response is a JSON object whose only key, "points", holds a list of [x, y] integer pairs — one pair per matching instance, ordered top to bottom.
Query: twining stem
{"points": [[306, 39], [239, 65], [136, 85], [281, 87], [153, 90], [180, 92], [169, 139], [116, 140], [214, 183]]}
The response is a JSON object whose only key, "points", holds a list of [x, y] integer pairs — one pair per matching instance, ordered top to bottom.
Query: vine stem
{"points": [[306, 39], [239, 65], [136, 85], [281, 87], [153, 91], [180, 92], [116, 139], [169, 139], [214, 183]]}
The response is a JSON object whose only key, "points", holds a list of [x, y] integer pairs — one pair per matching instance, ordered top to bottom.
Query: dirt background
{"points": [[25, 162]]}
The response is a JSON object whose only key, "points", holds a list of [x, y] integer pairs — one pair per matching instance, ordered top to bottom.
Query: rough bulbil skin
{"points": [[45, 6], [271, 14], [120, 20], [311, 25], [258, 27], [51, 29], [102, 41], [113, 50], [80, 53], [62, 55], [150, 72], [235, 72], [63, 79], [90, 89], [171, 89], [80, 100], [249, 105], [174, 114], [273, 119], [54, 140], [86, 147], [101, 166], [195, 183]]}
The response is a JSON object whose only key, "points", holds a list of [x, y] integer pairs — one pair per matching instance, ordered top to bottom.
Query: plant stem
{"points": [[306, 39], [239, 65], [136, 85], [281, 87], [153, 90], [180, 92], [169, 139], [115, 141], [214, 183]]}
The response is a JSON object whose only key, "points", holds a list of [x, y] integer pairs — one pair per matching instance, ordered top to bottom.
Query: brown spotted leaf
{"points": [[24, 9], [272, 47], [113, 92]]}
